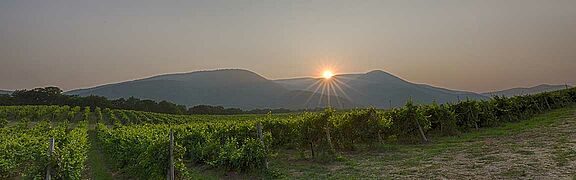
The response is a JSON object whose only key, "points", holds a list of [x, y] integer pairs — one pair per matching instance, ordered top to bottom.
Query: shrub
{"points": [[466, 115], [486, 116], [442, 119], [3, 122], [409, 123], [359, 126], [313, 130]]}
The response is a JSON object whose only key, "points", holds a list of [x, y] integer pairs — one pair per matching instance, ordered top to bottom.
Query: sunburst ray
{"points": [[336, 95]]}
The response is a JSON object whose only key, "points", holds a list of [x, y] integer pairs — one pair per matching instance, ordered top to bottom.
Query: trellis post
{"points": [[261, 137], [50, 152], [171, 165]]}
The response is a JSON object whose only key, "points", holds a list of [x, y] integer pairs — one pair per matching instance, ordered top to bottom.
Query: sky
{"points": [[473, 45]]}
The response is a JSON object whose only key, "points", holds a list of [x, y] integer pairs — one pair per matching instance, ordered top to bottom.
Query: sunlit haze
{"points": [[473, 45], [327, 74]]}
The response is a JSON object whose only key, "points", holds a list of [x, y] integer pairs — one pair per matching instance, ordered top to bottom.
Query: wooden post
{"points": [[390, 103], [547, 104], [372, 117], [475, 120], [476, 125], [259, 131], [421, 131], [261, 137], [329, 139], [312, 149], [50, 152], [171, 168]]}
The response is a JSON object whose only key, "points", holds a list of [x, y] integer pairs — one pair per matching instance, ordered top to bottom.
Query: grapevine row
{"points": [[142, 148], [24, 150]]}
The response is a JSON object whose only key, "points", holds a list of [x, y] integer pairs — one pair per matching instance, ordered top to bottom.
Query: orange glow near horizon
{"points": [[327, 74], [328, 88]]}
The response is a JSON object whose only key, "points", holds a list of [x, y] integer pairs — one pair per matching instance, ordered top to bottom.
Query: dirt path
{"points": [[542, 153]]}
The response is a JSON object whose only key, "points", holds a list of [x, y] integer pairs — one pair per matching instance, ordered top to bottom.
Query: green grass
{"points": [[507, 129], [96, 161]]}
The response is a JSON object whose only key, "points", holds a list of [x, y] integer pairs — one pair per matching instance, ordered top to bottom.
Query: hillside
{"points": [[228, 88], [377, 88], [248, 90], [526, 91], [5, 92]]}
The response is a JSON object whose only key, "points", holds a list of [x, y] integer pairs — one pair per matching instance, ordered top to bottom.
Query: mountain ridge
{"points": [[229, 88], [245, 89], [382, 89], [526, 90], [5, 92]]}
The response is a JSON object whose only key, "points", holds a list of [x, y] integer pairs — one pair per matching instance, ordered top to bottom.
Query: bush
{"points": [[98, 114], [466, 115], [486, 116], [442, 119], [3, 122], [409, 124], [359, 126], [314, 129], [284, 130], [141, 151], [234, 155]]}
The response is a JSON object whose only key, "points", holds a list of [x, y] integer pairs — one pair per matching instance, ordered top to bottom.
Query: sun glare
{"points": [[327, 74]]}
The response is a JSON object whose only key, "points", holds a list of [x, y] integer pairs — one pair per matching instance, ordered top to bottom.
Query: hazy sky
{"points": [[459, 44]]}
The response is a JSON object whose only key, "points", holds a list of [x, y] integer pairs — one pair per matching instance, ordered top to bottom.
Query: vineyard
{"points": [[138, 142], [24, 150]]}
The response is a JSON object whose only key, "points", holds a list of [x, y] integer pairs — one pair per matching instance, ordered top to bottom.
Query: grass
{"points": [[474, 152], [563, 156], [97, 166], [514, 173]]}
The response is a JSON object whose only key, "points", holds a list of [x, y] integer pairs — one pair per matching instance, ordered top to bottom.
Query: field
{"points": [[526, 136], [543, 147]]}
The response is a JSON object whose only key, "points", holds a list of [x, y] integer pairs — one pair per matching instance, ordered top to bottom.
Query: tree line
{"points": [[55, 96]]}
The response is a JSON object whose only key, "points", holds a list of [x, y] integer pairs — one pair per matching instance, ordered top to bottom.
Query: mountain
{"points": [[229, 88], [381, 89], [248, 90], [524, 91], [5, 92]]}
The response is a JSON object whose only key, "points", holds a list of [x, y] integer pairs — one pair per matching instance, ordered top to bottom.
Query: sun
{"points": [[327, 74]]}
